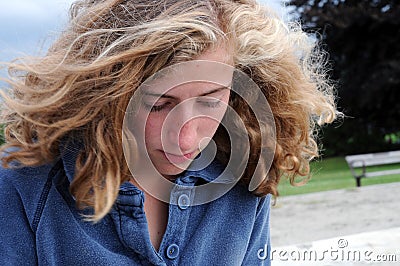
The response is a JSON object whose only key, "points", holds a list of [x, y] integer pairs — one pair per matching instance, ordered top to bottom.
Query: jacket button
{"points": [[183, 201], [172, 251]]}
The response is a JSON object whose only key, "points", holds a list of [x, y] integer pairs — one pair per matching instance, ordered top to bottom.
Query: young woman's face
{"points": [[180, 122]]}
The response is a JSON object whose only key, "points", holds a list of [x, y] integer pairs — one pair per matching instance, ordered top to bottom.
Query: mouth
{"points": [[178, 159]]}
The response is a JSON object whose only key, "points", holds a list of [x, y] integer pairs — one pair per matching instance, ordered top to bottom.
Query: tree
{"points": [[363, 40]]}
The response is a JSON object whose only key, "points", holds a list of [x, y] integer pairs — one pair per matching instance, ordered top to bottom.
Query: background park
{"points": [[362, 39]]}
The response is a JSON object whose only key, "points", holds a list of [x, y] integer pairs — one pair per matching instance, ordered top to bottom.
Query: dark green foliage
{"points": [[363, 40]]}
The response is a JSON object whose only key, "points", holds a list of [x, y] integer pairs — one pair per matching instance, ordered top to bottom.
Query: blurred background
{"points": [[29, 26], [362, 40]]}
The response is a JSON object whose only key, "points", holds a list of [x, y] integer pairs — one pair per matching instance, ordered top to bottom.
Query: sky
{"points": [[29, 26]]}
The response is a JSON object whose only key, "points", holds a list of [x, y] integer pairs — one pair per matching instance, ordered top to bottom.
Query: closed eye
{"points": [[211, 104], [155, 108]]}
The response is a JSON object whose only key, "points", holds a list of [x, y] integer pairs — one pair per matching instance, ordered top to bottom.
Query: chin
{"points": [[171, 170]]}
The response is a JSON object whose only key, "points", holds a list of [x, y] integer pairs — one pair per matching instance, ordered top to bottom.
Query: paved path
{"points": [[367, 217], [377, 248]]}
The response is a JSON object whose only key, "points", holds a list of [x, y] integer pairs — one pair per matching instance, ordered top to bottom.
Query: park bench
{"points": [[372, 159]]}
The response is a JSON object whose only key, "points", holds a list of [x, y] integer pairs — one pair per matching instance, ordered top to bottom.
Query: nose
{"points": [[183, 128], [182, 135], [188, 136]]}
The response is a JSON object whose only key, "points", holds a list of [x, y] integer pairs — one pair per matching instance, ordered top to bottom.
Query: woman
{"points": [[155, 132]]}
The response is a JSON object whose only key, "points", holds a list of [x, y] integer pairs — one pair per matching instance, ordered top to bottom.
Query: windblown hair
{"points": [[82, 86]]}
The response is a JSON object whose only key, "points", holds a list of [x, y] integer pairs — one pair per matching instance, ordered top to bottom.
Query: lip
{"points": [[178, 159]]}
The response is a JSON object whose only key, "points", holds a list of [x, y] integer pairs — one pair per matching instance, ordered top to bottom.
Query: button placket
{"points": [[182, 195], [180, 201]]}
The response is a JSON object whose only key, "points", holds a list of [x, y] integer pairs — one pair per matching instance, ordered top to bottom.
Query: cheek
{"points": [[153, 129]]}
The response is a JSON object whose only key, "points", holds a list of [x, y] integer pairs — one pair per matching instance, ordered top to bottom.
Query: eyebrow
{"points": [[172, 97]]}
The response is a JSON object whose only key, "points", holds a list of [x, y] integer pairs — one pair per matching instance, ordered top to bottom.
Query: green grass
{"points": [[334, 173]]}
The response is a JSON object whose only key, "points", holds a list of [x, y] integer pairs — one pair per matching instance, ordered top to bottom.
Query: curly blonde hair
{"points": [[83, 85]]}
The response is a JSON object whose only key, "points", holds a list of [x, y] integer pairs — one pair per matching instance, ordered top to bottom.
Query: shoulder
{"points": [[24, 177], [22, 187], [242, 194], [242, 204]]}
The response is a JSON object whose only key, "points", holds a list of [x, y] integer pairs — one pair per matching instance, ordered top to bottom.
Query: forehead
{"points": [[221, 53], [191, 77], [191, 90]]}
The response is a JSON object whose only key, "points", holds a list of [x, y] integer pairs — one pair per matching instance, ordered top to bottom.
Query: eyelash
{"points": [[213, 104], [155, 108], [159, 108]]}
